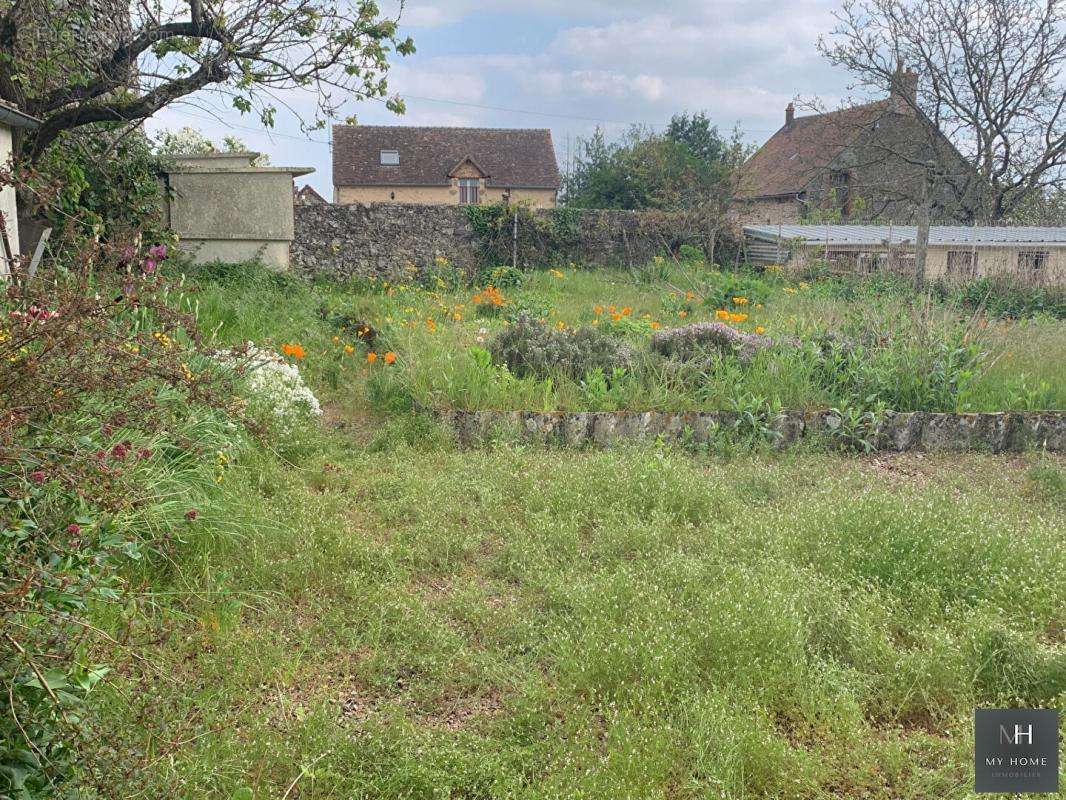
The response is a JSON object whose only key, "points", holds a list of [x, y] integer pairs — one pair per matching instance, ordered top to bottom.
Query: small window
{"points": [[390, 158], [468, 191], [1032, 261], [962, 263]]}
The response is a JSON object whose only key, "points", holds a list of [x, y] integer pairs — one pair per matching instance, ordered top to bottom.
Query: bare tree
{"points": [[64, 63], [991, 79]]}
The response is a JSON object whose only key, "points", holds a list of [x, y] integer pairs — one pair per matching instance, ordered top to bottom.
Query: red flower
{"points": [[38, 477], [191, 514], [73, 529]]}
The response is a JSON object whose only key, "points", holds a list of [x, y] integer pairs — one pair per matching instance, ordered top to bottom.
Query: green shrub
{"points": [[722, 287], [1006, 297], [695, 342], [529, 347]]}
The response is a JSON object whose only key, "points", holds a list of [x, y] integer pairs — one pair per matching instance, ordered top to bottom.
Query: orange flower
{"points": [[598, 310], [626, 311], [682, 314], [722, 314], [616, 317], [655, 326], [349, 349], [293, 350], [371, 357], [390, 357]]}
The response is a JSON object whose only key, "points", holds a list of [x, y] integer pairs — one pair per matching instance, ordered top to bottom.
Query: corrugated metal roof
{"points": [[879, 234]]}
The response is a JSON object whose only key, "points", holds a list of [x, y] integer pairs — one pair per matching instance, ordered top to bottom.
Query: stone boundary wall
{"points": [[344, 241], [991, 432]]}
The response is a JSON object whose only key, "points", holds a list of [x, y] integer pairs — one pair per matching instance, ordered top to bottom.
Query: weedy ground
{"points": [[439, 334], [367, 611]]}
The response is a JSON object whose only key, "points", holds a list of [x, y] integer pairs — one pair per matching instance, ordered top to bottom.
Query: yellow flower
{"points": [[555, 273], [805, 286], [789, 290], [740, 301], [598, 310], [722, 314], [457, 317], [737, 317], [760, 329], [336, 339], [348, 349]]}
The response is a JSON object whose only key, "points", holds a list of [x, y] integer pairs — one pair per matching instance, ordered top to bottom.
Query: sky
{"points": [[571, 65]]}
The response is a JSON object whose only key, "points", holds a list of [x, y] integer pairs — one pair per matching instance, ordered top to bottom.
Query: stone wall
{"points": [[383, 239], [993, 432]]}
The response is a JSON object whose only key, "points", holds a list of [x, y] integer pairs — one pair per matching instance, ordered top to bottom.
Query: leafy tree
{"points": [[251, 51], [689, 164]]}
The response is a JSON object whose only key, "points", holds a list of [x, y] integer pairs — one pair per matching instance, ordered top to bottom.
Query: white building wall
{"points": [[7, 198]]}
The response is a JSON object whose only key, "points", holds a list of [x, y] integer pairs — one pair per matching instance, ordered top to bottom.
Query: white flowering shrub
{"points": [[274, 388]]}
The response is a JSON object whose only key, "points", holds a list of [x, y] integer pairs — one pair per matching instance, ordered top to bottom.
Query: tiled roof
{"points": [[794, 155], [512, 157], [308, 196], [938, 234]]}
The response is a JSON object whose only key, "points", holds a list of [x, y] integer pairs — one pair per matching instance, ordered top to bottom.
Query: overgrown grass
{"points": [[917, 355], [363, 610], [413, 621]]}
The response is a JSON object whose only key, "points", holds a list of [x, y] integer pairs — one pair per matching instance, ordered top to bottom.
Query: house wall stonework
{"points": [[437, 195], [768, 211], [343, 241]]}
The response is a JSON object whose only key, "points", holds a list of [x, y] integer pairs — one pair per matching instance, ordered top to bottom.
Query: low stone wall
{"points": [[343, 241], [995, 433]]}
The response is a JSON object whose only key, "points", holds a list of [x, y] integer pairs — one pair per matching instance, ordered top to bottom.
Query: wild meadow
{"points": [[597, 339], [274, 576]]}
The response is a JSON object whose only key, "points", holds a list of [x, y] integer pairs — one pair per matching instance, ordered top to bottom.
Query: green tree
{"points": [[54, 66], [689, 165]]}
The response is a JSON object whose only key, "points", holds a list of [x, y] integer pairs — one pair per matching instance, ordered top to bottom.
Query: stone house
{"points": [[10, 119], [859, 163], [443, 166], [956, 253]]}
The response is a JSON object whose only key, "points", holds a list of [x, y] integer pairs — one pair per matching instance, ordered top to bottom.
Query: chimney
{"points": [[903, 95], [790, 113]]}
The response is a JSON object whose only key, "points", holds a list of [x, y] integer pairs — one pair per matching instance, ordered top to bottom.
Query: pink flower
{"points": [[158, 252], [148, 266], [144, 454], [38, 477], [73, 529]]}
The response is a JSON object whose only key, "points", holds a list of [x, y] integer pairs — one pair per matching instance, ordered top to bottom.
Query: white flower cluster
{"points": [[273, 385]]}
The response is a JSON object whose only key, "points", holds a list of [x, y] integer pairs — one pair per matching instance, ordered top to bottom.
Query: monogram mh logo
{"points": [[1022, 734], [1016, 750]]}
